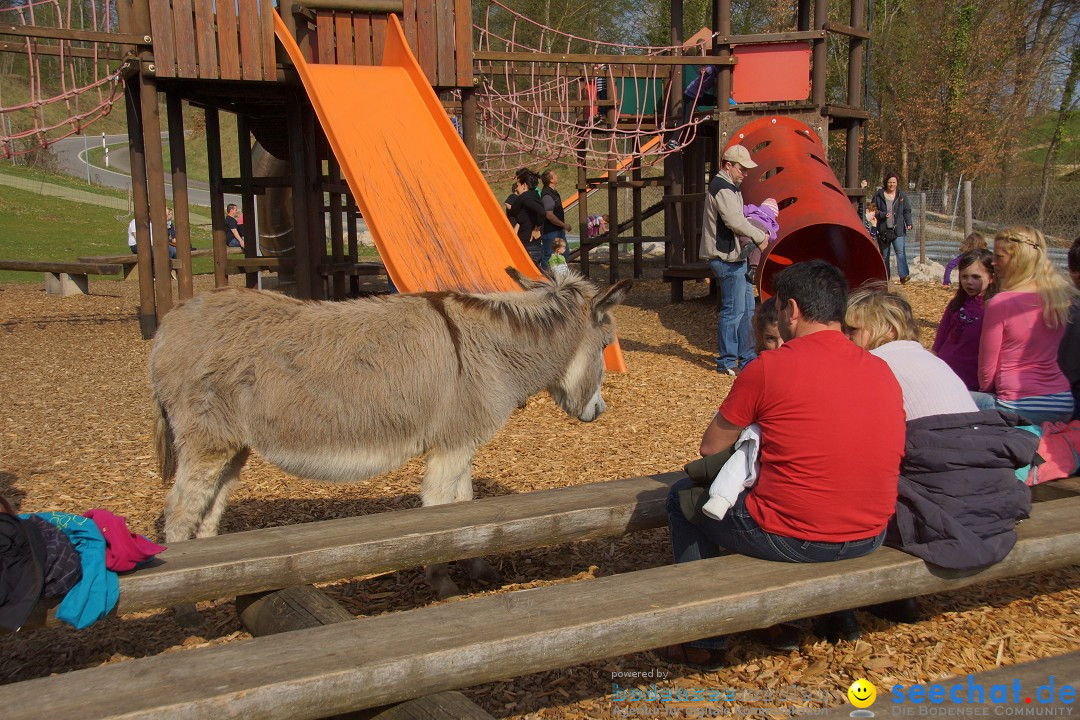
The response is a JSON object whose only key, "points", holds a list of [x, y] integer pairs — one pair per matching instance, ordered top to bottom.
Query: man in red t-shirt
{"points": [[832, 436]]}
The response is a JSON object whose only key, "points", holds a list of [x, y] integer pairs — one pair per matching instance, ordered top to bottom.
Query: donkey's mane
{"points": [[538, 310]]}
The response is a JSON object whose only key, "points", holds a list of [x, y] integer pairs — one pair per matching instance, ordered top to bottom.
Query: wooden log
{"points": [[272, 558], [295, 608], [397, 656], [450, 705]]}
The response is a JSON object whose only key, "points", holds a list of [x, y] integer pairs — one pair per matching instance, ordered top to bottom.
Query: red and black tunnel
{"points": [[816, 217]]}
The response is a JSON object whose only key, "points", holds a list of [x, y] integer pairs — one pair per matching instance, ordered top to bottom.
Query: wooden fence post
{"points": [[968, 223], [922, 228]]}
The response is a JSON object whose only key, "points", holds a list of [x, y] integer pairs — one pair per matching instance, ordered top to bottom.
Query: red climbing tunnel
{"points": [[816, 218]]}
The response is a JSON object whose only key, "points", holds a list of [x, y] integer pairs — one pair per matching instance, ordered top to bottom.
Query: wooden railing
{"points": [[191, 40], [234, 40]]}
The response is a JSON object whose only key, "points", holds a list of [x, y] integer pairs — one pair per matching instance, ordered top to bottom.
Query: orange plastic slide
{"points": [[434, 219]]}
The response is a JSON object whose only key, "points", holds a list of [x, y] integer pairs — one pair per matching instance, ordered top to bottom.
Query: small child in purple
{"points": [[957, 341]]}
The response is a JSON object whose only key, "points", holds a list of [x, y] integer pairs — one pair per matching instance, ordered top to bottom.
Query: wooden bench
{"points": [[129, 261], [287, 264], [678, 274], [63, 278], [373, 661]]}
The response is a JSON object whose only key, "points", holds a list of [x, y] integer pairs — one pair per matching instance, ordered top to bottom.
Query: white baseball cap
{"points": [[739, 154]]}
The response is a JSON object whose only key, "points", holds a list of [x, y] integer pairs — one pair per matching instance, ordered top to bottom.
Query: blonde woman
{"points": [[882, 322], [1022, 329], [958, 497]]}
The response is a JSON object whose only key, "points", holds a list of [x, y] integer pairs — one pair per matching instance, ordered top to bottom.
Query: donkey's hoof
{"points": [[481, 570], [446, 590], [188, 617]]}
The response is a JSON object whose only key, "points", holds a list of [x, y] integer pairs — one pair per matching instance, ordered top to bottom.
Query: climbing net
{"points": [[68, 83], [585, 113]]}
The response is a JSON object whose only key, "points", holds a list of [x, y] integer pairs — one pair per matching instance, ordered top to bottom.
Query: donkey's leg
{"points": [[230, 474], [449, 479], [194, 492]]}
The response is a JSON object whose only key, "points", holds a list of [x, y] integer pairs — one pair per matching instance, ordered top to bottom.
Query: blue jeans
{"points": [[545, 242], [536, 252], [901, 255], [734, 334], [988, 401], [740, 533]]}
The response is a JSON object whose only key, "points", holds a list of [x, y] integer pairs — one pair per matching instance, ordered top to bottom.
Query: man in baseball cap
{"points": [[721, 227]]}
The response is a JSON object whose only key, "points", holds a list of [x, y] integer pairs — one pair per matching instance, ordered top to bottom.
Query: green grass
{"points": [[35, 227]]}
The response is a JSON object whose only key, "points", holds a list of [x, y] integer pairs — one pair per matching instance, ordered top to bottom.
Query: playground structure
{"points": [[624, 101]]}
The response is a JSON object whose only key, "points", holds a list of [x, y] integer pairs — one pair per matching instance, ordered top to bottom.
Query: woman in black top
{"points": [[527, 210]]}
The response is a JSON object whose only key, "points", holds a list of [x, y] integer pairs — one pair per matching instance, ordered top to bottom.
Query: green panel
{"points": [[639, 96]]}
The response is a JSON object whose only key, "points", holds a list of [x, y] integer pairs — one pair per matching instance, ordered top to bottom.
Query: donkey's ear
{"points": [[524, 282], [610, 297]]}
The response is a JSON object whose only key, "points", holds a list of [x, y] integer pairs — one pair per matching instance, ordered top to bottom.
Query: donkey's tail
{"points": [[165, 444]]}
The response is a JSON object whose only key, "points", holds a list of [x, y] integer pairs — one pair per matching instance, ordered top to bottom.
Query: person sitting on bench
{"points": [[829, 460], [959, 497]]}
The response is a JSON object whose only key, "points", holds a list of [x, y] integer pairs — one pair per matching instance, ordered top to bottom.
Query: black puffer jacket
{"points": [[959, 498]]}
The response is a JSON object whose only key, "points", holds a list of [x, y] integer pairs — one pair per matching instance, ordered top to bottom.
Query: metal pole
{"points": [[86, 157]]}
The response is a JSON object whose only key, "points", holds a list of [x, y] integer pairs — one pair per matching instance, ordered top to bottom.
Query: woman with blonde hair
{"points": [[882, 322], [1022, 329], [958, 499]]}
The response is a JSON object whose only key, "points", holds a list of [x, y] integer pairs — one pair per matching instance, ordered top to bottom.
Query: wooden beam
{"points": [[380, 7], [847, 30], [35, 31], [763, 38], [595, 59], [272, 558], [396, 656]]}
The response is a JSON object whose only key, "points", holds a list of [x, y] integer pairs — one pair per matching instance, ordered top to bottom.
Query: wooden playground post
{"points": [[856, 54], [820, 55], [300, 196], [217, 197], [247, 197], [140, 205], [583, 208], [181, 217], [637, 218], [337, 240], [674, 248]]}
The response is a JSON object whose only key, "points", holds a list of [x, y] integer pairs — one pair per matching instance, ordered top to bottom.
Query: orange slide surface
{"points": [[433, 217]]}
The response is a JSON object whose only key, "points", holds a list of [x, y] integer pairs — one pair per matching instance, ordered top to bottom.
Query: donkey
{"points": [[342, 391]]}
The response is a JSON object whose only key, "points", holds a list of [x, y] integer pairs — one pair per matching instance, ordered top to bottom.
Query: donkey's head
{"points": [[576, 388]]}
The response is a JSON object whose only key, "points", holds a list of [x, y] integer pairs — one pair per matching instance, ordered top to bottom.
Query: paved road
{"points": [[71, 160]]}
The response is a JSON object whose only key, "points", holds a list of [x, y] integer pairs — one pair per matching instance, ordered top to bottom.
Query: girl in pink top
{"points": [[1022, 329]]}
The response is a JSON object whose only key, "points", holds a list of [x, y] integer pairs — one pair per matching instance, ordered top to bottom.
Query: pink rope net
{"points": [[70, 84], [552, 112]]}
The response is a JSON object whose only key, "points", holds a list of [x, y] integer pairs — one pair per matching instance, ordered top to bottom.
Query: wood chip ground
{"points": [[75, 434]]}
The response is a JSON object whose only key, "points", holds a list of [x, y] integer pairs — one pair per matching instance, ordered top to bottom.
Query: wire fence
{"points": [[994, 208]]}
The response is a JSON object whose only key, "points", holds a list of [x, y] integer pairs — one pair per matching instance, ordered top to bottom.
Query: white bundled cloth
{"points": [[738, 473]]}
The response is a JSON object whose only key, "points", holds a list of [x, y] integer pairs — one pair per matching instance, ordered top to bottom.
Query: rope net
{"points": [[69, 83], [587, 114]]}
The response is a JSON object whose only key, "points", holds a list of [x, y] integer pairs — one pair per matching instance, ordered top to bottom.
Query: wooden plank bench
{"points": [[129, 261], [278, 264], [678, 274], [63, 278], [273, 558], [389, 658]]}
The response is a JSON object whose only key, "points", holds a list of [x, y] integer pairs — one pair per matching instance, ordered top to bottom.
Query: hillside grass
{"points": [[36, 227]]}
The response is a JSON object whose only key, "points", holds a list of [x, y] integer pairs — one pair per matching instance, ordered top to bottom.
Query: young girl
{"points": [[974, 241], [557, 262], [766, 327], [1022, 328], [957, 341]]}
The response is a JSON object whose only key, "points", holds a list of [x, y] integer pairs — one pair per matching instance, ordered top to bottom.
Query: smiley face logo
{"points": [[862, 693]]}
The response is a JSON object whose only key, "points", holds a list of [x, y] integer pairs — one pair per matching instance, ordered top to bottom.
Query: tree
{"points": [[1065, 110]]}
